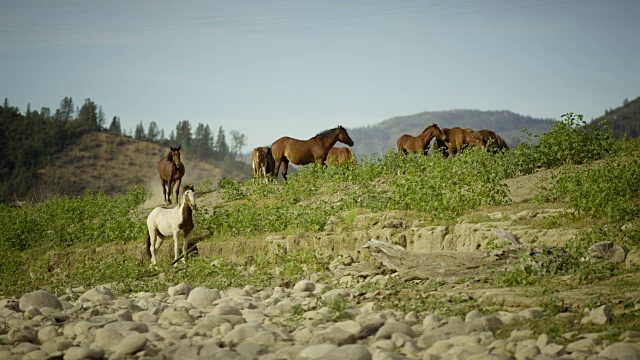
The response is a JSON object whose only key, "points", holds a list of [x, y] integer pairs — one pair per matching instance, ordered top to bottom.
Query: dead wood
{"points": [[448, 266]]}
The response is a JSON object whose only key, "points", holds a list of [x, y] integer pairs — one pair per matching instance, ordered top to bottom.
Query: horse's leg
{"points": [[285, 167], [276, 168], [178, 183], [169, 190], [164, 191], [159, 240], [185, 243], [152, 245], [175, 245]]}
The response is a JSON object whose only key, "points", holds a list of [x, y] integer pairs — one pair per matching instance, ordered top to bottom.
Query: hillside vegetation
{"points": [[624, 120], [381, 137], [107, 163], [269, 234]]}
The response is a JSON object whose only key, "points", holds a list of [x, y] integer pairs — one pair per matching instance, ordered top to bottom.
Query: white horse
{"points": [[171, 222]]}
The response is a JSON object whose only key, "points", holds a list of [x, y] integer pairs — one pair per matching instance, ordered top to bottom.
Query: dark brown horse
{"points": [[456, 139], [494, 142], [419, 144], [302, 152], [341, 156], [262, 163], [171, 171]]}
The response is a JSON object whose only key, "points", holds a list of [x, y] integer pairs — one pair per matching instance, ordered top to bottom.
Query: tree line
{"points": [[29, 140], [201, 143]]}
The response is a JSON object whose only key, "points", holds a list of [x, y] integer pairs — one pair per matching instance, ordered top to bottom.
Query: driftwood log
{"points": [[448, 266]]}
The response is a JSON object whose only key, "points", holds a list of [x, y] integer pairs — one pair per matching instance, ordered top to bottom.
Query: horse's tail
{"points": [[148, 244]]}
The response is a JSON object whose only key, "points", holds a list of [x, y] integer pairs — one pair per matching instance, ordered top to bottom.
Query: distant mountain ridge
{"points": [[624, 119], [381, 137]]}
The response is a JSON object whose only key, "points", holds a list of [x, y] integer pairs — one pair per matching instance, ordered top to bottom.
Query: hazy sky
{"points": [[270, 68]]}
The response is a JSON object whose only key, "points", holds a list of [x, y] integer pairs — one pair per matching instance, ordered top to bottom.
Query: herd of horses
{"points": [[320, 149], [266, 162]]}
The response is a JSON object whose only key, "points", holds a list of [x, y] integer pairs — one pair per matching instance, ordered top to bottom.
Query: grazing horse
{"points": [[456, 139], [494, 142], [419, 144], [302, 152], [341, 156], [262, 162], [171, 171], [171, 222]]}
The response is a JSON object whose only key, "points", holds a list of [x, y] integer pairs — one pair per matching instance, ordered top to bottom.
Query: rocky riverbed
{"points": [[306, 320]]}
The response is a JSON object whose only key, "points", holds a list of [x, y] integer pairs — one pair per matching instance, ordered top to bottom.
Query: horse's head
{"points": [[436, 132], [343, 136], [174, 155], [189, 196]]}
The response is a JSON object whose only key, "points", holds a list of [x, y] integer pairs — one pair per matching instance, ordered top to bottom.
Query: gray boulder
{"points": [[39, 299]]}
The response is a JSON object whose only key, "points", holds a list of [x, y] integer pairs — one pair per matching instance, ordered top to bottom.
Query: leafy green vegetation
{"points": [[430, 188]]}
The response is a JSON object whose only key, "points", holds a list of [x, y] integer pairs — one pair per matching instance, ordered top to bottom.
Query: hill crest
{"points": [[381, 137], [104, 162]]}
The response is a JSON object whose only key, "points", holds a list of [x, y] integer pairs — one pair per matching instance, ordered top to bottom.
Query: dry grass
{"points": [[112, 164]]}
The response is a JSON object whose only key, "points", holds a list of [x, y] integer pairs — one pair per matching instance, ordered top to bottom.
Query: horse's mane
{"points": [[428, 127], [327, 133], [170, 156]]}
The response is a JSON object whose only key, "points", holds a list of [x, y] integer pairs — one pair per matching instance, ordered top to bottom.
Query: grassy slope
{"points": [[108, 163], [555, 294]]}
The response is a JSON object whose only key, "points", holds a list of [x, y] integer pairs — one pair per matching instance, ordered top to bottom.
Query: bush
{"points": [[571, 141], [609, 190]]}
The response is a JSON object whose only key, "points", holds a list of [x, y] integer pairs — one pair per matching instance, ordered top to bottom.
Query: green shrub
{"points": [[571, 141], [231, 190], [608, 190]]}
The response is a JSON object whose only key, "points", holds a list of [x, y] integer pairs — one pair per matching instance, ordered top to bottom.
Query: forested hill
{"points": [[624, 119], [381, 137], [68, 151]]}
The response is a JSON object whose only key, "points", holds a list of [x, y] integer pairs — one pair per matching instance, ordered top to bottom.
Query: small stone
{"points": [[608, 251], [304, 285], [180, 289], [97, 295], [201, 297], [39, 299], [392, 327], [132, 344], [316, 350], [620, 351], [348, 352], [528, 352], [79, 353]]}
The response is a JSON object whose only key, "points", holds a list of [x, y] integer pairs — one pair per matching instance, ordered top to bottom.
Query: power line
{"points": [[270, 22]]}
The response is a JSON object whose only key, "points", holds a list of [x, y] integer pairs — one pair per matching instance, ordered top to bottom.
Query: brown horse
{"points": [[456, 139], [494, 142], [419, 144], [302, 152], [341, 156], [262, 162], [171, 171]]}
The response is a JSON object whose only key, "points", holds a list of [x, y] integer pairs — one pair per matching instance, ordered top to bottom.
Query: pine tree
{"points": [[65, 111], [88, 115], [115, 126], [152, 132], [139, 133], [183, 134], [221, 148]]}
